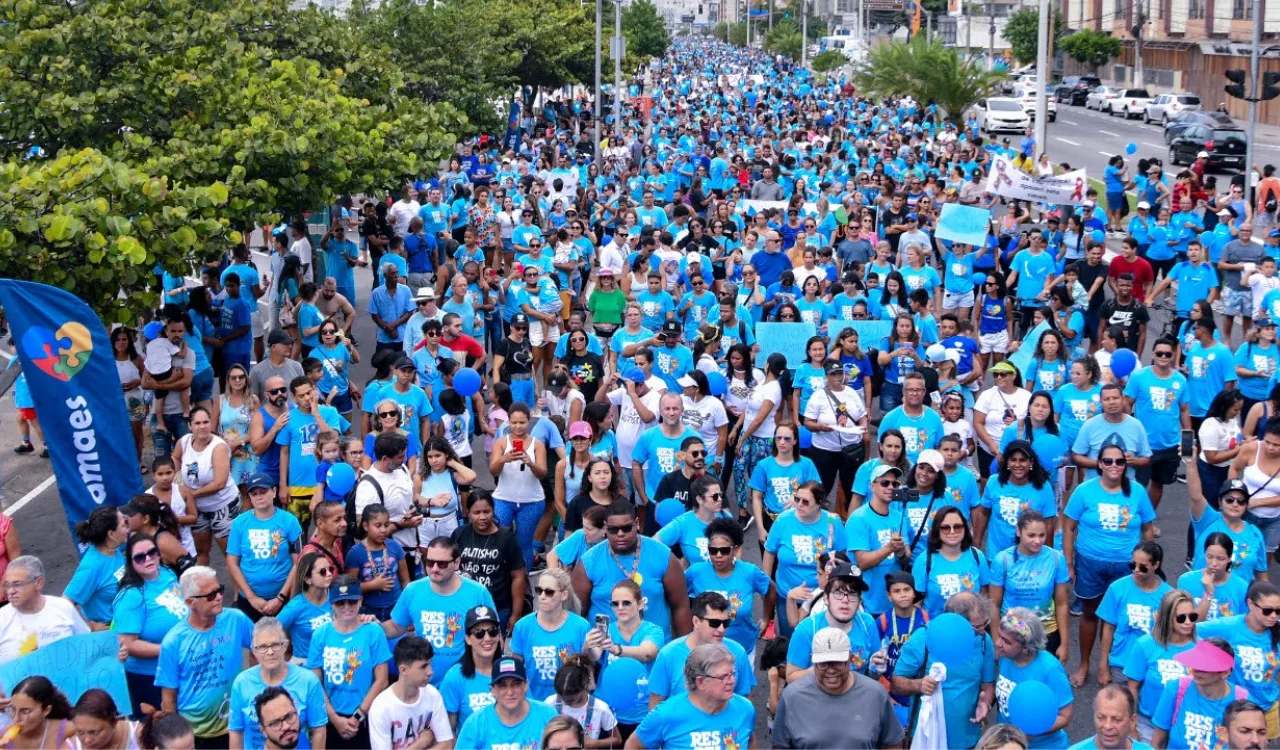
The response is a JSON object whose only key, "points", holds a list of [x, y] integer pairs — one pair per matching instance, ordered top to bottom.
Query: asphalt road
{"points": [[30, 495]]}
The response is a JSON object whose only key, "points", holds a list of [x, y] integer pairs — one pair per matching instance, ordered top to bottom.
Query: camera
{"points": [[906, 495]]}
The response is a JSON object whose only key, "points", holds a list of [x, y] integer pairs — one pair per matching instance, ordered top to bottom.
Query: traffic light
{"points": [[1270, 86], [1236, 88]]}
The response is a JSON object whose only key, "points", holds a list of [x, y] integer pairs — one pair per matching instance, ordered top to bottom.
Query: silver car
{"points": [[1100, 97], [1165, 107]]}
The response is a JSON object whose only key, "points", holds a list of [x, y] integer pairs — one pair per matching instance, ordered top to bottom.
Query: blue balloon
{"points": [[1131, 149], [1098, 236], [1208, 239], [978, 279], [153, 330], [1123, 362], [466, 382], [717, 383], [806, 438], [1051, 451], [340, 479], [667, 511], [949, 638], [624, 685], [1033, 707]]}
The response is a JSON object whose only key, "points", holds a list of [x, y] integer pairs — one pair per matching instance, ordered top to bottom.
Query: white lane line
{"points": [[1069, 122], [1108, 132], [1064, 140], [1152, 145], [1107, 154], [13, 509]]}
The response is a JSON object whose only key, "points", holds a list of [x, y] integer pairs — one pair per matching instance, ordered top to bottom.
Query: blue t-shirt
{"points": [[1033, 270], [1194, 283], [654, 308], [309, 317], [622, 339], [1252, 356], [672, 363], [334, 368], [1209, 369], [413, 405], [1158, 405], [1074, 407], [1097, 432], [919, 433], [300, 435], [657, 453], [778, 482], [962, 491], [1006, 503], [1110, 522], [868, 531], [687, 532], [796, 546], [264, 547], [1248, 548], [570, 550], [649, 563], [372, 564], [940, 578], [1030, 581], [93, 585], [741, 587], [1229, 598], [149, 611], [1133, 613], [439, 618], [301, 619], [646, 632], [864, 640], [544, 651], [1256, 660], [347, 662], [201, 665], [1153, 665], [1046, 669], [666, 678], [302, 685], [961, 689], [464, 696], [1198, 719], [677, 724], [486, 730], [1090, 744]]}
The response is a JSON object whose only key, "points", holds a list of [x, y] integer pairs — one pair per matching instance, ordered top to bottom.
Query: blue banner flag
{"points": [[511, 140], [967, 224], [869, 331], [788, 339], [71, 372], [74, 665]]}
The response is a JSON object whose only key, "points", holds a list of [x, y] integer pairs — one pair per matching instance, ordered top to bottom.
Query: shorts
{"points": [[1115, 201], [420, 280], [954, 300], [1237, 302], [255, 322], [536, 337], [994, 342], [202, 386], [342, 402], [27, 414], [1163, 468], [300, 505], [217, 522], [436, 527], [1094, 576], [1273, 721]]}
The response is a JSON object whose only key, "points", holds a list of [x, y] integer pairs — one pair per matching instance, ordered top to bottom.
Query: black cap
{"points": [[520, 319], [671, 328], [279, 336], [404, 363], [834, 368], [557, 380], [1233, 485], [851, 574], [902, 576], [479, 614], [507, 667]]}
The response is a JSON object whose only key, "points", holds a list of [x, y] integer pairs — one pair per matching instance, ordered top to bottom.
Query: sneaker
{"points": [[25, 448], [44, 452], [1182, 478], [746, 521], [1077, 608]]}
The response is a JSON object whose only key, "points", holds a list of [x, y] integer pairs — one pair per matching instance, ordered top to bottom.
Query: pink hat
{"points": [[580, 429], [1206, 657]]}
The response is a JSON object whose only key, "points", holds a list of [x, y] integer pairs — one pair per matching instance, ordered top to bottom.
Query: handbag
{"points": [[855, 452]]}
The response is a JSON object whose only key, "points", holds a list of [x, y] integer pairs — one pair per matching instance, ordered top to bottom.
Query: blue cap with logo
{"points": [[260, 481], [348, 592], [508, 667]]}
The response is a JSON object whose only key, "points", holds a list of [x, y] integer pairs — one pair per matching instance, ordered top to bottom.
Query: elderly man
{"points": [[772, 261], [391, 305], [276, 365], [655, 454], [33, 620], [201, 657], [274, 674], [970, 687], [833, 689], [1114, 710], [707, 715]]}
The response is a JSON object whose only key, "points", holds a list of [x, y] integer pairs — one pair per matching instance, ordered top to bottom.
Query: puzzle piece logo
{"points": [[60, 355]]}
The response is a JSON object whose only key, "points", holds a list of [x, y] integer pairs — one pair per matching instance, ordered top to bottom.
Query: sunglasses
{"points": [[1162, 355], [276, 391], [385, 414], [696, 454], [1113, 461], [889, 483], [1235, 500], [625, 528], [951, 528], [715, 551], [141, 557], [437, 563], [1139, 567], [544, 592], [216, 593], [615, 604], [1268, 611], [1192, 616], [715, 623], [491, 632]]}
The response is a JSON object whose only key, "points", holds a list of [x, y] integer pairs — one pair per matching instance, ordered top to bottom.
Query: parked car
{"points": [[1017, 82], [1074, 89], [1027, 95], [1100, 96], [1129, 103], [1167, 106], [1001, 113], [1174, 127], [1225, 146]]}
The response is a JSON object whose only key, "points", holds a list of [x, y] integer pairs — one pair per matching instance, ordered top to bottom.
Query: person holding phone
{"points": [[519, 462]]}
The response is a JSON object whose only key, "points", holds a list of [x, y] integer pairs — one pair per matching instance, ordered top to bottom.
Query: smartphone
{"points": [[1188, 443], [517, 445], [602, 623]]}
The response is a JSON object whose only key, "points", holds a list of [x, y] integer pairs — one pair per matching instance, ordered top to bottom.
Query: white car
{"points": [[1027, 96], [1100, 97], [1128, 103], [1165, 107], [1001, 113]]}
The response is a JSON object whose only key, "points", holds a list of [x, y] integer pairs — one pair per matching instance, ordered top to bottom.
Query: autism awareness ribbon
{"points": [[1002, 175], [1078, 193]]}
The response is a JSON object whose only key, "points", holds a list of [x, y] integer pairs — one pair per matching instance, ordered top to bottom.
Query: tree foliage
{"points": [[1022, 29], [733, 33], [646, 34], [785, 39], [1092, 48], [828, 60], [926, 71]]}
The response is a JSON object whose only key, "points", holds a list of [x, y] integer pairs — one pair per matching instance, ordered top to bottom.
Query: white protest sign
{"points": [[1009, 181]]}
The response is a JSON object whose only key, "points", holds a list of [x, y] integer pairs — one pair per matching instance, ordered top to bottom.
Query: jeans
{"points": [[890, 396], [162, 443], [523, 518], [1270, 528]]}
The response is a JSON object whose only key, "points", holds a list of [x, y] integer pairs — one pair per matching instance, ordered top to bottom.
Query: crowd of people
{"points": [[527, 527]]}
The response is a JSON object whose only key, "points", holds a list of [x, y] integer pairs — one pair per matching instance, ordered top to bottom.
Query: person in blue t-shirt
{"points": [[1160, 402], [1020, 483], [795, 538], [262, 547], [951, 563], [1034, 575], [740, 582], [94, 584], [147, 606], [1127, 612], [710, 615], [1252, 635], [546, 637], [1021, 647], [350, 658], [274, 670], [1191, 709], [709, 713], [513, 719]]}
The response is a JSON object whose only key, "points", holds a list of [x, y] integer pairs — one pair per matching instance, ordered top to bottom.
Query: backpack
{"points": [[877, 372], [349, 500], [1184, 682]]}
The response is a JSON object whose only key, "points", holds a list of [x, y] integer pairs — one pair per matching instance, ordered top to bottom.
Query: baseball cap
{"points": [[1202, 155], [1088, 204], [1144, 205], [1226, 212], [912, 217], [1274, 233], [425, 292], [520, 319], [1263, 320], [671, 328], [279, 336], [936, 353], [404, 363], [1003, 367], [834, 368], [635, 375], [557, 380], [686, 382], [580, 429], [931, 457], [883, 469], [260, 481], [1233, 485], [851, 574], [902, 576], [344, 593], [479, 614], [830, 645], [1206, 657], [508, 667]]}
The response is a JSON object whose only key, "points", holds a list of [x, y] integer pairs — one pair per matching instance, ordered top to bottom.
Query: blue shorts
{"points": [[1115, 201], [202, 386], [342, 402], [1093, 577]]}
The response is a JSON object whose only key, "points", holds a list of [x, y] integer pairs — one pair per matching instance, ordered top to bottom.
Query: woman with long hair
{"points": [[893, 300], [992, 316], [706, 348], [900, 354], [1050, 363], [129, 367], [810, 375], [742, 377], [1074, 403], [232, 412], [706, 415], [387, 418], [1255, 420], [1039, 422], [754, 432], [1221, 439], [891, 450], [519, 463], [445, 480], [207, 481], [1020, 483], [601, 485], [147, 515], [1230, 517], [806, 525], [685, 534], [491, 555], [950, 555], [1217, 593], [147, 605], [309, 607], [555, 622], [629, 636], [1152, 664], [467, 686], [41, 713], [99, 725]]}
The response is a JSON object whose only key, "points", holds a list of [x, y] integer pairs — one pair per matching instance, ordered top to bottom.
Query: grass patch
{"points": [[1102, 195]]}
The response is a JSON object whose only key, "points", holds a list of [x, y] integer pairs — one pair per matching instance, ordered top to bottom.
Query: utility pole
{"points": [[965, 8], [770, 15], [928, 27], [1138, 28], [804, 33], [991, 35], [617, 66], [1043, 69], [1254, 92], [595, 142]]}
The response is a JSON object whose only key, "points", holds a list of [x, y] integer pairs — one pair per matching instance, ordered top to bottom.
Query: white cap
{"points": [[1202, 155], [1088, 204], [1144, 204], [1224, 212], [935, 353], [953, 355], [687, 382], [931, 457], [830, 644]]}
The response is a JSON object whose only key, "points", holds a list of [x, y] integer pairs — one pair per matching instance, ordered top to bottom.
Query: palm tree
{"points": [[785, 39], [926, 71]]}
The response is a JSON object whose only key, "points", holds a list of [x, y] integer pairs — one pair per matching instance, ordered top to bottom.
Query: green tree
{"points": [[645, 32], [1021, 32], [733, 33], [785, 39], [1092, 48], [829, 60], [927, 71]]}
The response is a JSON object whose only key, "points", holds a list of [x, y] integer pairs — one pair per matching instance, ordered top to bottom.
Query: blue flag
{"points": [[511, 140], [71, 372]]}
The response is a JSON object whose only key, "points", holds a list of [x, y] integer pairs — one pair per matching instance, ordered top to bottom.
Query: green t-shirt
{"points": [[607, 307]]}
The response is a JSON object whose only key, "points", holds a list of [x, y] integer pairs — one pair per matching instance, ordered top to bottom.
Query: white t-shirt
{"points": [[400, 214], [302, 248], [611, 257], [1260, 285], [160, 354], [771, 392], [735, 399], [993, 402], [560, 407], [821, 409], [706, 417], [630, 428], [1216, 435], [397, 496], [20, 634], [602, 719], [394, 723]]}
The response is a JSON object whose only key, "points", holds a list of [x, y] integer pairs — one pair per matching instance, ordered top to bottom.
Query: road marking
{"points": [[1069, 122], [1108, 132], [1064, 140], [1152, 145], [1107, 154], [13, 509]]}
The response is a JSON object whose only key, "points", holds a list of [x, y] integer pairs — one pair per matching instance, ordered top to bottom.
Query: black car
{"points": [[1074, 89], [1173, 128], [1225, 146]]}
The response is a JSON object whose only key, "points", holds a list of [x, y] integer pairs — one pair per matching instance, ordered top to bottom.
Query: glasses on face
{"points": [[991, 283], [329, 332], [1163, 354], [1004, 374], [236, 377], [913, 390], [276, 391], [388, 414], [696, 454], [1113, 461], [889, 483], [1235, 500], [625, 528], [951, 528], [719, 551], [141, 557], [437, 563], [1138, 567], [540, 591], [212, 595], [617, 603], [1268, 611], [1192, 616], [715, 623], [492, 631], [269, 648], [18, 713], [288, 720]]}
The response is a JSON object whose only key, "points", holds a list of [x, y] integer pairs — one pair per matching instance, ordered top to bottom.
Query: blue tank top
{"points": [[269, 462]]}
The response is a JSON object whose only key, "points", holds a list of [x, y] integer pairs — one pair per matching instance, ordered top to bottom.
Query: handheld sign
{"points": [[966, 224], [788, 339], [74, 665]]}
